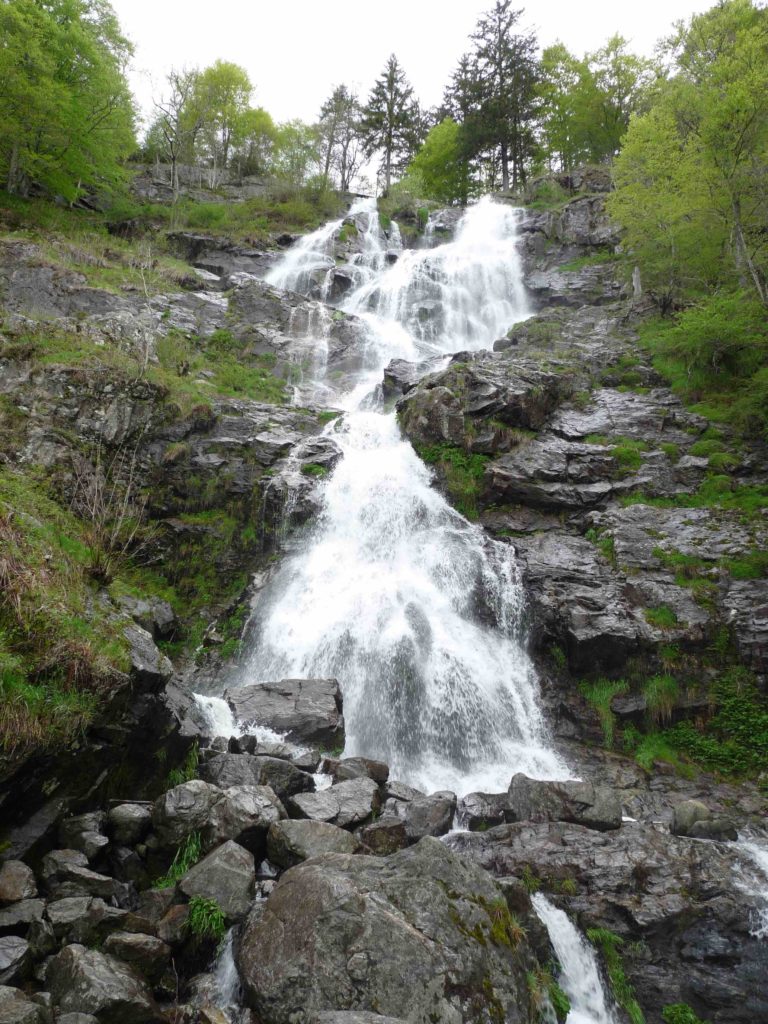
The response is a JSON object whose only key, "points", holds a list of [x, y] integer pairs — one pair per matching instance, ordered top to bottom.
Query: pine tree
{"points": [[508, 73], [391, 120]]}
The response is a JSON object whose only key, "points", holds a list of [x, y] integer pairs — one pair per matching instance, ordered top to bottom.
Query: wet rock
{"points": [[400, 377], [155, 616], [151, 668], [308, 710], [305, 758], [356, 768], [400, 791], [580, 802], [346, 804], [184, 809], [478, 811], [246, 815], [430, 815], [129, 823], [84, 832], [385, 836], [291, 842], [227, 875], [17, 882], [408, 918], [172, 928], [148, 955], [15, 959], [85, 981], [354, 1017], [77, 1018]]}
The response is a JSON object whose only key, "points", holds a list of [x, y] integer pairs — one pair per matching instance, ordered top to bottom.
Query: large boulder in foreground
{"points": [[308, 710], [597, 807], [422, 935], [84, 981]]}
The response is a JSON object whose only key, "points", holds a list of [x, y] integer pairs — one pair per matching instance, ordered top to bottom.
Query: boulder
{"points": [[148, 666], [308, 710], [306, 758], [355, 768], [227, 770], [346, 804], [596, 807], [184, 809], [478, 811], [246, 815], [430, 815], [695, 820], [129, 823], [84, 832], [385, 836], [291, 842], [66, 872], [227, 875], [17, 882], [17, 918], [172, 928], [398, 935], [149, 955], [15, 958], [84, 981], [16, 1008], [354, 1017]]}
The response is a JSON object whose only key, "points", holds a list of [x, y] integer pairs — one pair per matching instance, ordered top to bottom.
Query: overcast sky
{"points": [[295, 51]]}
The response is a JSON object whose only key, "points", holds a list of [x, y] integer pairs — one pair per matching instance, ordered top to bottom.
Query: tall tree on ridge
{"points": [[391, 119]]}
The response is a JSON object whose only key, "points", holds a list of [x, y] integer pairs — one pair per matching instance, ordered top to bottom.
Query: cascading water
{"points": [[411, 607], [752, 879], [580, 977]]}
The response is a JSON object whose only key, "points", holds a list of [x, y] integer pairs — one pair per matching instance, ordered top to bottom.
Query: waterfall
{"points": [[410, 606], [752, 879], [580, 976], [226, 981]]}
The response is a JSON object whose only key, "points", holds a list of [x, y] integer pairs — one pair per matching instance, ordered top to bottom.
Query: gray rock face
{"points": [[147, 662], [308, 710], [356, 768], [228, 770], [580, 802], [346, 804], [184, 809], [482, 810], [246, 815], [430, 815], [694, 819], [129, 823], [385, 836], [291, 842], [227, 875], [17, 882], [17, 918], [389, 933], [149, 955], [14, 959], [84, 981], [15, 1008], [354, 1017]]}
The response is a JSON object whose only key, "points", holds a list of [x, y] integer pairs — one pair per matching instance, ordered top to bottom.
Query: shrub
{"points": [[206, 921]]}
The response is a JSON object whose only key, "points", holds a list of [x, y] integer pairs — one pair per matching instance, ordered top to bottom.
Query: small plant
{"points": [[314, 469], [662, 617], [558, 656], [599, 694], [660, 694], [188, 770], [187, 855], [531, 882], [206, 921], [506, 930], [609, 945], [680, 1013]]}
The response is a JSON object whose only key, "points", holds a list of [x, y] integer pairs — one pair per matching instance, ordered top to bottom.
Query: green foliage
{"points": [[66, 114], [390, 121], [439, 165], [314, 469], [463, 473], [661, 617], [558, 656], [599, 693], [660, 693], [188, 770], [187, 855], [531, 882], [206, 921], [505, 930], [609, 945], [543, 989], [680, 1013]]}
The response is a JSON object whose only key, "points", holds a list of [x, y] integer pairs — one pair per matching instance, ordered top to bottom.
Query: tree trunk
{"points": [[504, 168], [13, 169], [387, 171], [174, 177], [743, 259]]}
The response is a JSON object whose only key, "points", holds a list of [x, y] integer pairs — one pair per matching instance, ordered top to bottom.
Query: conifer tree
{"points": [[391, 120]]}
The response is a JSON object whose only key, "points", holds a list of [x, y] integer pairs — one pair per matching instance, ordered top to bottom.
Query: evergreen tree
{"points": [[508, 73], [391, 120]]}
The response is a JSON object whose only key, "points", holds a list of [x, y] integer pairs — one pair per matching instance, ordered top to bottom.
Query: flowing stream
{"points": [[412, 608], [580, 976]]}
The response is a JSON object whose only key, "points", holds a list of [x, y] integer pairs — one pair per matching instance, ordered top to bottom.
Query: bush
{"points": [[206, 922]]}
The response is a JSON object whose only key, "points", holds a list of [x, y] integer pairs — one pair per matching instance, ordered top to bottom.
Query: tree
{"points": [[508, 74], [561, 82], [609, 92], [222, 95], [66, 114], [179, 120], [391, 120], [339, 134], [254, 141], [296, 152], [439, 164]]}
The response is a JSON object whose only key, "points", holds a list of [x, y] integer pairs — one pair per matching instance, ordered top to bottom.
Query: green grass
{"points": [[593, 260], [314, 469], [462, 471], [661, 617], [660, 693], [599, 694], [188, 770], [187, 855], [206, 921], [609, 944], [680, 1013]]}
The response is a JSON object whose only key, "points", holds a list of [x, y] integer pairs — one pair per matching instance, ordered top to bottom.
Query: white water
{"points": [[394, 593], [752, 879], [580, 976], [226, 981]]}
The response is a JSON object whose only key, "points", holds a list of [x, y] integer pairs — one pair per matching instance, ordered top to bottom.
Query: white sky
{"points": [[295, 51]]}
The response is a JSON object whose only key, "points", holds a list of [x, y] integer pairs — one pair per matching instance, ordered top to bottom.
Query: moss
{"points": [[314, 469], [462, 471], [662, 617], [609, 944]]}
